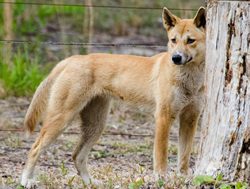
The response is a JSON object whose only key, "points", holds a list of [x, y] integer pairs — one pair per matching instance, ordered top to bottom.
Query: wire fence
{"points": [[95, 6], [58, 43], [84, 44], [77, 133]]}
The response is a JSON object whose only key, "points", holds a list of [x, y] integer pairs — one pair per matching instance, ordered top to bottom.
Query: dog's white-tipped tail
{"points": [[37, 106]]}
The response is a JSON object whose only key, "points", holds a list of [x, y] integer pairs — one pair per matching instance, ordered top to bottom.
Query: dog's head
{"points": [[186, 37]]}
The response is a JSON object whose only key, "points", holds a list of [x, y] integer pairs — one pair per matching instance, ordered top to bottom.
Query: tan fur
{"points": [[85, 84], [40, 98]]}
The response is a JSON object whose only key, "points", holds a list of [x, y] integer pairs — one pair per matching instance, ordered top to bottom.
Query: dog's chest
{"points": [[189, 84]]}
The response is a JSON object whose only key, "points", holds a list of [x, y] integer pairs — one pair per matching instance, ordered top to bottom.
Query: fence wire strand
{"points": [[95, 6], [58, 43]]}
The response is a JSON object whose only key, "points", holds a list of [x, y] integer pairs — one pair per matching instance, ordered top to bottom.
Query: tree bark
{"points": [[225, 145]]}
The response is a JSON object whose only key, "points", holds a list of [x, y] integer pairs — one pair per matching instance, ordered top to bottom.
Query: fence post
{"points": [[89, 24], [8, 30]]}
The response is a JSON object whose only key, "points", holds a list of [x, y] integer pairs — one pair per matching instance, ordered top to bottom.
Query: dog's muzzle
{"points": [[177, 59], [180, 59]]}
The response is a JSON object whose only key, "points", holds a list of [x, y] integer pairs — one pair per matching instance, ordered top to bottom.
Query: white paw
{"points": [[89, 180], [96, 182], [29, 183]]}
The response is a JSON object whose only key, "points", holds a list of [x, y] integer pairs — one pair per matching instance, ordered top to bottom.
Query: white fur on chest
{"points": [[189, 82]]}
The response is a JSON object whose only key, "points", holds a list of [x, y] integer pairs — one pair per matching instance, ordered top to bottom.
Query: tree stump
{"points": [[225, 145]]}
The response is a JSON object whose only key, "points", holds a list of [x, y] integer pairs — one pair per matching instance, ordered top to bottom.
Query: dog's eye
{"points": [[173, 40], [190, 41]]}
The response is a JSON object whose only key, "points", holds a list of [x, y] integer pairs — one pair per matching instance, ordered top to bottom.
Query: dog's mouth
{"points": [[189, 60], [186, 62]]}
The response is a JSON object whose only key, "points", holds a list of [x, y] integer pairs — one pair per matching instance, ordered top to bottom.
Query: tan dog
{"points": [[171, 82]]}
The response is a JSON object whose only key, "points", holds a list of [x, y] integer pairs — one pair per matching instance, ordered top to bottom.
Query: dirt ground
{"points": [[122, 158]]}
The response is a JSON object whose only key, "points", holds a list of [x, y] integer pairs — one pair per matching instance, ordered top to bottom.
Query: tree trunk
{"points": [[225, 145]]}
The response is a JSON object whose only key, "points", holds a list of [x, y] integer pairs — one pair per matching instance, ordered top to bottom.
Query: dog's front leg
{"points": [[189, 117], [164, 120]]}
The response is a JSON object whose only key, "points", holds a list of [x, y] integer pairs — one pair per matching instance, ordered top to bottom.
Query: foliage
{"points": [[22, 76], [64, 169], [203, 179], [218, 182], [138, 183], [160, 183], [20, 187]]}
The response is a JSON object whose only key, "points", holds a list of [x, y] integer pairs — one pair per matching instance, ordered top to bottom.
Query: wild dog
{"points": [[171, 82]]}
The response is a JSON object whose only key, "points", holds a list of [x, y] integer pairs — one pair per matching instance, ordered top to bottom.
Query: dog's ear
{"points": [[200, 18], [169, 20]]}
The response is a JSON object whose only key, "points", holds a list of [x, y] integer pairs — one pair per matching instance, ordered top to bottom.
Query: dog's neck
{"points": [[199, 67], [192, 74]]}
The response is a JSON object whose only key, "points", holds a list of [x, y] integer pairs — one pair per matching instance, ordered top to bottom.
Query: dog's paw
{"points": [[184, 173], [159, 176], [91, 181], [96, 182], [29, 183]]}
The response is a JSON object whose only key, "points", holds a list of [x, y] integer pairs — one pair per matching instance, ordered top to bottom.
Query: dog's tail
{"points": [[40, 100], [37, 106]]}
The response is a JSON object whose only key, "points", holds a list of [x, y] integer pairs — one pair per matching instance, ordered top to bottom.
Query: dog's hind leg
{"points": [[62, 107], [93, 122], [188, 124], [52, 128]]}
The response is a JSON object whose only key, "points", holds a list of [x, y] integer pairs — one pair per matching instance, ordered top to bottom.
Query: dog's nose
{"points": [[177, 59]]}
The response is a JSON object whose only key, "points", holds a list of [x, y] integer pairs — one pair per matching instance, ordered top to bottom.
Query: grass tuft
{"points": [[21, 76], [218, 182]]}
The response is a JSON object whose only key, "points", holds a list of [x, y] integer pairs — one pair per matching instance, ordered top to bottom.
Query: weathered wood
{"points": [[8, 19], [89, 24], [8, 30], [63, 32], [225, 147]]}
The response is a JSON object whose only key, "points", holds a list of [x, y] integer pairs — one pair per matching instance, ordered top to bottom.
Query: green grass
{"points": [[22, 75], [218, 182]]}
